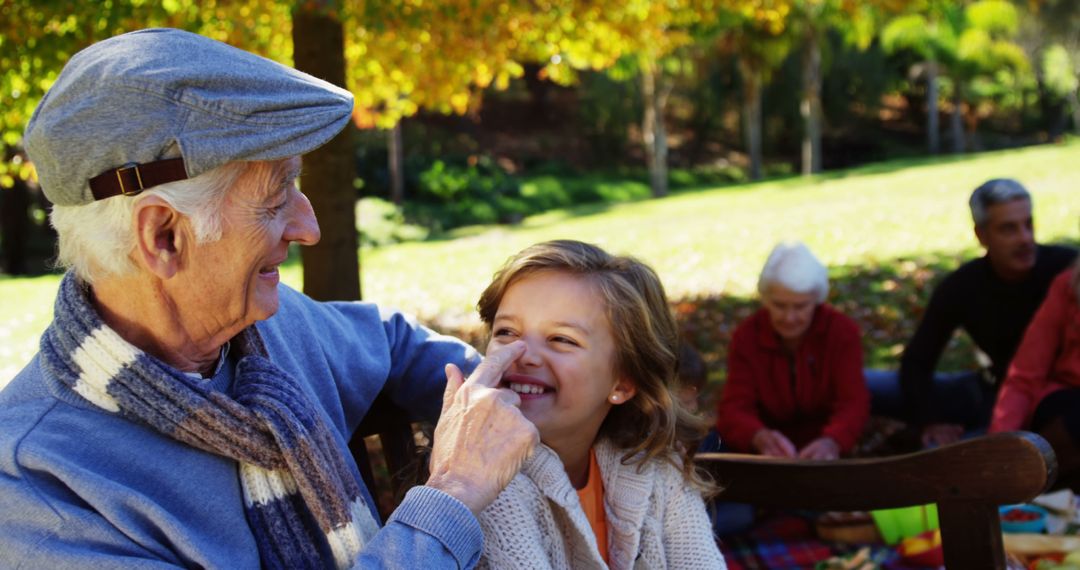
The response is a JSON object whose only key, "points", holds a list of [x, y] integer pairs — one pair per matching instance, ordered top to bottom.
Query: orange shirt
{"points": [[592, 501]]}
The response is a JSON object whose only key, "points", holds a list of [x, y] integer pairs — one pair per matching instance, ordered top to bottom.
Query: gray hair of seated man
{"points": [[995, 191], [96, 238], [792, 266]]}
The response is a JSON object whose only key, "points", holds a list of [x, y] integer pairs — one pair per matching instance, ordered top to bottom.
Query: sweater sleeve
{"points": [[921, 355], [418, 357], [1029, 372], [851, 403], [737, 412], [429, 530], [688, 533], [72, 540]]}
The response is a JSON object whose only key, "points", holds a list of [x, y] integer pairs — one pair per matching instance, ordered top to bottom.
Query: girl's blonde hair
{"points": [[652, 424]]}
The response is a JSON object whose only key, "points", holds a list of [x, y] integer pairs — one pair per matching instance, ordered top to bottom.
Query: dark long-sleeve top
{"points": [[992, 311], [822, 392]]}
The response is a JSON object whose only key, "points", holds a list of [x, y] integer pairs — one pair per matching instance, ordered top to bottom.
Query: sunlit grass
{"points": [[715, 241]]}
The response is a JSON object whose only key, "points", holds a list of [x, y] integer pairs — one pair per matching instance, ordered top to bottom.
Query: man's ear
{"points": [[980, 233], [159, 241]]}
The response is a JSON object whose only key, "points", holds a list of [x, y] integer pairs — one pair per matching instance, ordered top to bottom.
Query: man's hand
{"points": [[934, 435], [482, 439], [772, 443], [823, 448]]}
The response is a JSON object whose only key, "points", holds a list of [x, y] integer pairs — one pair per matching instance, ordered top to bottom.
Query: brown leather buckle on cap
{"points": [[131, 178]]}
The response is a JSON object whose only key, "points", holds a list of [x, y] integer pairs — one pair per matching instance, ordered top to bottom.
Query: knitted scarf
{"points": [[302, 501]]}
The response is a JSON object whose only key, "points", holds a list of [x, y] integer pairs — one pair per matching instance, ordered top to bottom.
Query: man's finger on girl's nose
{"points": [[490, 371]]}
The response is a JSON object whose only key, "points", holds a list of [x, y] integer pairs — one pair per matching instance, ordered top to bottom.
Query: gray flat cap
{"points": [[154, 94]]}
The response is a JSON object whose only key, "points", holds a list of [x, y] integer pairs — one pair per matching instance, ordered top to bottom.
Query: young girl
{"points": [[612, 484]]}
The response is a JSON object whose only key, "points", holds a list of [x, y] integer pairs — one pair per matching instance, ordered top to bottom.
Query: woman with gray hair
{"points": [[795, 384], [1041, 391]]}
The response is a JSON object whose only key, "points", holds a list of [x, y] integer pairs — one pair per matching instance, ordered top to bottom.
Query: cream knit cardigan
{"points": [[655, 520]]}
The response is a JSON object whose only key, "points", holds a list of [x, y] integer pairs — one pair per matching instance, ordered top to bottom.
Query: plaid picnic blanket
{"points": [[779, 542], [787, 542]]}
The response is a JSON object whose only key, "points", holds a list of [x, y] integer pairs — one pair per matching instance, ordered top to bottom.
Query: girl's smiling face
{"points": [[566, 378]]}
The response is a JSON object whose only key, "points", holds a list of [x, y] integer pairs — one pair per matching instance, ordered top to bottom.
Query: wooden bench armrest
{"points": [[968, 481]]}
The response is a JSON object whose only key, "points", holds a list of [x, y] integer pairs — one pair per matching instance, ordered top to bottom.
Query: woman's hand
{"points": [[773, 443], [823, 448]]}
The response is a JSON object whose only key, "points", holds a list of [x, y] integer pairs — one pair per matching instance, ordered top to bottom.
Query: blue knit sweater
{"points": [[82, 488]]}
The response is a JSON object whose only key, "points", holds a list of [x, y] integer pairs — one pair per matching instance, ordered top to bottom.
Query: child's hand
{"points": [[482, 438]]}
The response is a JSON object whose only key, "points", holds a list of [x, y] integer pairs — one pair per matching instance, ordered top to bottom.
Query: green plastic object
{"points": [[898, 524]]}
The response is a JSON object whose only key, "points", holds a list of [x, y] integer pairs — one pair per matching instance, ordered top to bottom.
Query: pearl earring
{"points": [[615, 398]]}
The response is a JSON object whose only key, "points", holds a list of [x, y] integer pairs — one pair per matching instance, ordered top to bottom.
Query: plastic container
{"points": [[897, 524], [1035, 524], [923, 550]]}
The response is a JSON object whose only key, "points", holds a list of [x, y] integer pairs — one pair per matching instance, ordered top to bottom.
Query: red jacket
{"points": [[1047, 360], [828, 396]]}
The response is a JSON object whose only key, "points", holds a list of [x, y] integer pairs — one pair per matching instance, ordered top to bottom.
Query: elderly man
{"points": [[992, 298], [185, 408]]}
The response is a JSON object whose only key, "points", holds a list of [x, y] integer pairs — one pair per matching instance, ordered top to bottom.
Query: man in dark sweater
{"points": [[992, 298]]}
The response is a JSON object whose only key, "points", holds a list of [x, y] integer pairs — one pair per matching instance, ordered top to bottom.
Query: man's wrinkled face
{"points": [[1009, 238], [234, 279]]}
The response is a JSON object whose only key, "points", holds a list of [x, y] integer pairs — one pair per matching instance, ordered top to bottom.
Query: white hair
{"points": [[992, 192], [96, 239], [792, 266]]}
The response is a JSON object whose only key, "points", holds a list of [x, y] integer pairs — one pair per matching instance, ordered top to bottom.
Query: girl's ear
{"points": [[623, 391]]}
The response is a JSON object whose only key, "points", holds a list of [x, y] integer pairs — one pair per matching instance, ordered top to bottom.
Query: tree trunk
{"points": [[654, 96], [1074, 102], [810, 107], [751, 116], [956, 121], [933, 137], [395, 157], [15, 226], [331, 268]]}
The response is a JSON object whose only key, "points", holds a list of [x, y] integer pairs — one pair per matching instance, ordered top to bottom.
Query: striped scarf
{"points": [[302, 501]]}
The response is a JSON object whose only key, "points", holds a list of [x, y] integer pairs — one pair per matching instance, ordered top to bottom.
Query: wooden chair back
{"points": [[397, 449], [968, 481]]}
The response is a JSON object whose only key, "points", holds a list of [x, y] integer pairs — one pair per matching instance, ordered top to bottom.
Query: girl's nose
{"points": [[531, 357]]}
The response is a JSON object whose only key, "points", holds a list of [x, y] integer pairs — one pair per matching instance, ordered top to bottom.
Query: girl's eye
{"points": [[503, 332], [565, 340]]}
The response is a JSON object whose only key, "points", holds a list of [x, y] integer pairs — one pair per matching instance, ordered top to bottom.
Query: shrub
{"points": [[478, 192], [382, 223]]}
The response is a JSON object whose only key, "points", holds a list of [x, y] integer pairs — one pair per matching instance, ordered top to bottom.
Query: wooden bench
{"points": [[967, 480]]}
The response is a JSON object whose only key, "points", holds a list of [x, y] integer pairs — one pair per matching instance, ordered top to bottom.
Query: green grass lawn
{"points": [[887, 231], [715, 241]]}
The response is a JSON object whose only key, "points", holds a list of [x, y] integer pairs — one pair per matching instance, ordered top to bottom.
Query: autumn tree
{"points": [[809, 22], [1056, 31], [925, 32], [753, 34], [987, 62]]}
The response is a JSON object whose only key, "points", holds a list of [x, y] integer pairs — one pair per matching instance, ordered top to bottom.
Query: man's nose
{"points": [[302, 227], [1028, 234]]}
